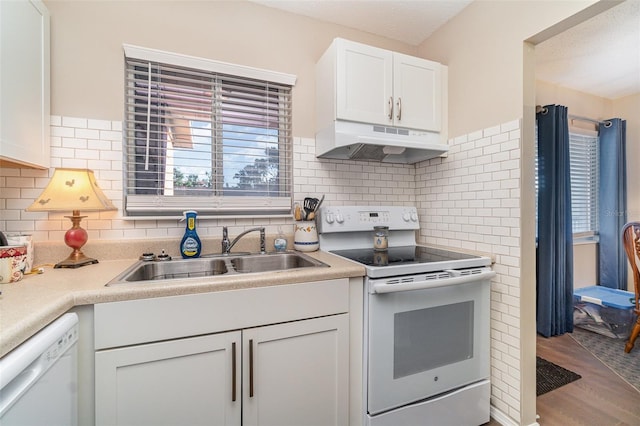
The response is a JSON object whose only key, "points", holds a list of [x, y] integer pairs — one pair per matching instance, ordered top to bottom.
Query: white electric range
{"points": [[426, 320]]}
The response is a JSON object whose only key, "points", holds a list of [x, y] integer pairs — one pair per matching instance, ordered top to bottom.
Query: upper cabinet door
{"points": [[24, 83], [364, 83], [417, 89]]}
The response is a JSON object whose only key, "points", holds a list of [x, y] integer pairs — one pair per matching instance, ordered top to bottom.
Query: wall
{"points": [[86, 47], [483, 48], [489, 49], [87, 97], [629, 108], [97, 144]]}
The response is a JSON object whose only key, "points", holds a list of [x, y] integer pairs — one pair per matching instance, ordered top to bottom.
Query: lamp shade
{"points": [[72, 189]]}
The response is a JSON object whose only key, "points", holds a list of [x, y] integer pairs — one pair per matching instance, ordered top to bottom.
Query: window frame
{"points": [[151, 205]]}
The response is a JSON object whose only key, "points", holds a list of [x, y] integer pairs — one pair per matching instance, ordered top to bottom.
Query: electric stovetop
{"points": [[403, 255], [410, 260]]}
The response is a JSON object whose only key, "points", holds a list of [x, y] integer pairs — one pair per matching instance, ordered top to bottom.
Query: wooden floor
{"points": [[599, 398]]}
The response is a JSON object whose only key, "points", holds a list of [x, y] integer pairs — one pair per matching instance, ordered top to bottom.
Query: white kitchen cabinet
{"points": [[361, 83], [24, 84], [173, 360], [297, 373], [292, 374], [187, 381]]}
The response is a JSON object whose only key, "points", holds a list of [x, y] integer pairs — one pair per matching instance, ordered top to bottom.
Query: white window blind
{"points": [[197, 138], [583, 153]]}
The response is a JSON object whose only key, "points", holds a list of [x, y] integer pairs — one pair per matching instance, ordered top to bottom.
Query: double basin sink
{"points": [[152, 271]]}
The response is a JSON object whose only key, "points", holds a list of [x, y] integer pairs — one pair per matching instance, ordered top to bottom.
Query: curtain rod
{"points": [[607, 123]]}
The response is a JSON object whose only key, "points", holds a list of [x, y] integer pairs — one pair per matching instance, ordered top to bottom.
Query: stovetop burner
{"points": [[405, 255]]}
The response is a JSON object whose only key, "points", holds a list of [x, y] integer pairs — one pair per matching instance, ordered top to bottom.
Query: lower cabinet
{"points": [[294, 373]]}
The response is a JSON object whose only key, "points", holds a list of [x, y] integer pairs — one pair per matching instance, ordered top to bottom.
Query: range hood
{"points": [[347, 140]]}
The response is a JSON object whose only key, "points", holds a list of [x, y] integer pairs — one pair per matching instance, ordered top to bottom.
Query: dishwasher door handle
{"points": [[438, 282], [12, 392]]}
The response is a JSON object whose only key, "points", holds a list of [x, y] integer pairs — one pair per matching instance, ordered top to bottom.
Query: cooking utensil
{"points": [[319, 203], [309, 206], [297, 212], [312, 215]]}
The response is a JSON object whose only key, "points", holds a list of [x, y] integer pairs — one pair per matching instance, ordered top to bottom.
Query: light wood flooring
{"points": [[599, 398]]}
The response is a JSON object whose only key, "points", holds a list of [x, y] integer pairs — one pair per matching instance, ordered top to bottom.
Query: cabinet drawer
{"points": [[148, 320]]}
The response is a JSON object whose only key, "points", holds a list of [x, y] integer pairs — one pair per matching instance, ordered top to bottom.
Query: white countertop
{"points": [[30, 304]]}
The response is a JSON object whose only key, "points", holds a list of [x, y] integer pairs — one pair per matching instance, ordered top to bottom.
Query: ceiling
{"points": [[409, 21], [601, 56]]}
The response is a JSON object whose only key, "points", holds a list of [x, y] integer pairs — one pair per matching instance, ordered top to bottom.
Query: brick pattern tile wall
{"points": [[97, 145], [471, 199]]}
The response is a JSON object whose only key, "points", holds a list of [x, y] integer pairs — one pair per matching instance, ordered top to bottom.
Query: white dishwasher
{"points": [[39, 379]]}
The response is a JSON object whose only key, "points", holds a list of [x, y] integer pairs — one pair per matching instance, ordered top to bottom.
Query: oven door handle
{"points": [[442, 282]]}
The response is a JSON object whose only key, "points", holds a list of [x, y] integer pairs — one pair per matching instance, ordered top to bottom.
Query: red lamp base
{"points": [[76, 237]]}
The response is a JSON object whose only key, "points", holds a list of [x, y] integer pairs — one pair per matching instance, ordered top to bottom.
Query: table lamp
{"points": [[75, 190]]}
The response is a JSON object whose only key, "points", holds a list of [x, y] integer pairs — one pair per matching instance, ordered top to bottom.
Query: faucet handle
{"points": [[226, 244]]}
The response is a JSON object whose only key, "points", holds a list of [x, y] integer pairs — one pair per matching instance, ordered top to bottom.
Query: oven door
{"points": [[426, 338]]}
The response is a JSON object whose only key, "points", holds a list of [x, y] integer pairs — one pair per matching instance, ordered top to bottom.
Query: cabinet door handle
{"points": [[391, 108], [399, 109], [250, 368], [233, 371]]}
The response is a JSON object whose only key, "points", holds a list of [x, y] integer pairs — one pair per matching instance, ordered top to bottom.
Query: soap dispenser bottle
{"points": [[190, 246]]}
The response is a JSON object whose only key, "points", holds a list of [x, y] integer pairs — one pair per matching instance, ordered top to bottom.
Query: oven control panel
{"points": [[364, 218]]}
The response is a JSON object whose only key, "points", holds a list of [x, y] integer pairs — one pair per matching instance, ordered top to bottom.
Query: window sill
{"points": [[237, 216], [586, 239]]}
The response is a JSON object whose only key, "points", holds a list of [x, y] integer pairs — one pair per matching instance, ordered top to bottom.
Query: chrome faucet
{"points": [[227, 245]]}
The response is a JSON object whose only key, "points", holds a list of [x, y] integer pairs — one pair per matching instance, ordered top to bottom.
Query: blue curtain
{"points": [[613, 203], [554, 259]]}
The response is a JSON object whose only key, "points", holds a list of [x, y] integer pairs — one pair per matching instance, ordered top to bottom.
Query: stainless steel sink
{"points": [[272, 262], [166, 270], [150, 271]]}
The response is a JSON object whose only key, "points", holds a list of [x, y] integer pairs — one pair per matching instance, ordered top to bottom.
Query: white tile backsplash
{"points": [[469, 199]]}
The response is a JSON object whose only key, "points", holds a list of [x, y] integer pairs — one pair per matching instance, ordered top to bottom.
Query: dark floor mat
{"points": [[550, 376]]}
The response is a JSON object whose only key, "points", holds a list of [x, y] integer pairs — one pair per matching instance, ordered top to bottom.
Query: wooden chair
{"points": [[631, 241]]}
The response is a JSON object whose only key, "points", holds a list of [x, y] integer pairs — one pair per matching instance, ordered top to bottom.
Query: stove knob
{"points": [[406, 217], [414, 217], [329, 218], [339, 218]]}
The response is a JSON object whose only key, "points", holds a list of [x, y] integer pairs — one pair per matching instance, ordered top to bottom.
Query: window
{"points": [[205, 135], [583, 154], [584, 165]]}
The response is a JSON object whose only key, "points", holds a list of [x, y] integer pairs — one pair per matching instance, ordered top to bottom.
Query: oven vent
{"points": [[471, 271], [433, 276], [437, 276], [426, 277], [400, 280]]}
